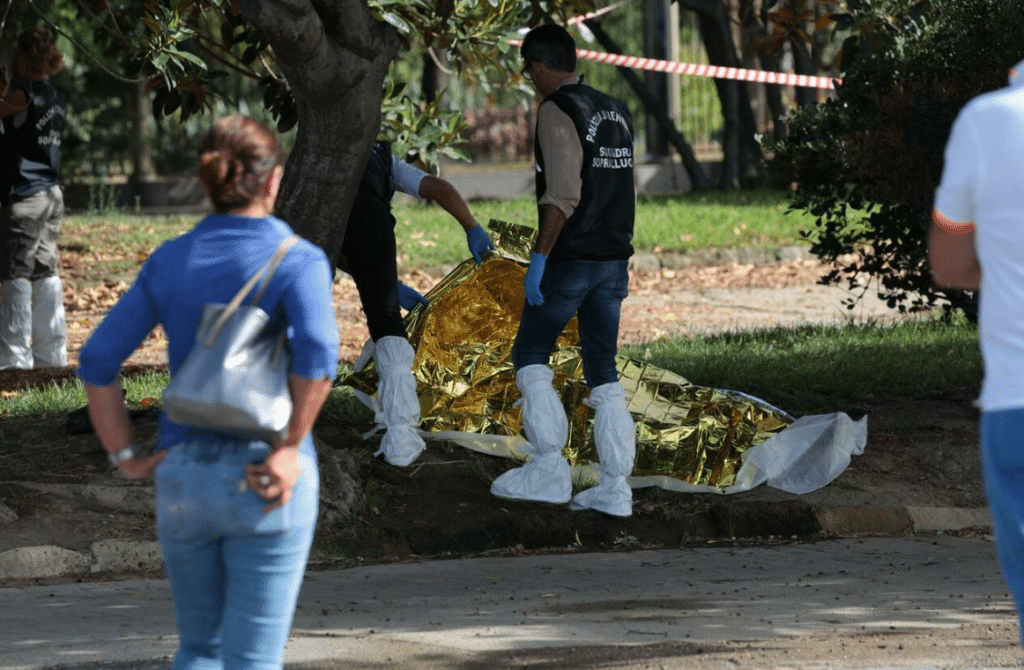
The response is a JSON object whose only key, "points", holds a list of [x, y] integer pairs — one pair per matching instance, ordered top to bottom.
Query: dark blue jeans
{"points": [[594, 291]]}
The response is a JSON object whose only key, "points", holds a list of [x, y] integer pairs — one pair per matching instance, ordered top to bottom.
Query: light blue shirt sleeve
{"points": [[406, 178], [308, 303], [122, 330]]}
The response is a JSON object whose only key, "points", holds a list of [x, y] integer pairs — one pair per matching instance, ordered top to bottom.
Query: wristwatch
{"points": [[122, 455]]}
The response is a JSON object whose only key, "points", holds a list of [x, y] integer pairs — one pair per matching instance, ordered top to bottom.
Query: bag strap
{"points": [[271, 266], [266, 271]]}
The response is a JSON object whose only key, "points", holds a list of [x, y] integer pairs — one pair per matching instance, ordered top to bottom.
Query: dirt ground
{"points": [[55, 486]]}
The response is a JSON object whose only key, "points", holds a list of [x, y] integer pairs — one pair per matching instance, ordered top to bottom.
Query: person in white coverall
{"points": [[586, 201], [33, 331]]}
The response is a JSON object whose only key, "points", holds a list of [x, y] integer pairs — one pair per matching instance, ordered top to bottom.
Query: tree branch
{"points": [[315, 36], [213, 50], [88, 53]]}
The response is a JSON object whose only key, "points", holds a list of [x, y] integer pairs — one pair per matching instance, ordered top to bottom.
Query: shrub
{"points": [[866, 163]]}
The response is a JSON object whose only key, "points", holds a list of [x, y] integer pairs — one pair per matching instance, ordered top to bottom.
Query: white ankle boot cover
{"points": [[16, 324], [49, 327], [399, 411], [615, 440], [546, 477]]}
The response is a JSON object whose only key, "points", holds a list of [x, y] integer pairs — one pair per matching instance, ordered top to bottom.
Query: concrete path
{"points": [[844, 603]]}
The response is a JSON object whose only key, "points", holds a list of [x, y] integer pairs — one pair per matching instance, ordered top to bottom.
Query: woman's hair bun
{"points": [[236, 157]]}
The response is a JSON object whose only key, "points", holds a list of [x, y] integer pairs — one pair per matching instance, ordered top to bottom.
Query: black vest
{"points": [[36, 143], [376, 178], [601, 227]]}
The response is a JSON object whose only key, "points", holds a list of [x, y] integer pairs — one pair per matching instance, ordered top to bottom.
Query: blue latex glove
{"points": [[479, 242], [531, 283], [408, 297]]}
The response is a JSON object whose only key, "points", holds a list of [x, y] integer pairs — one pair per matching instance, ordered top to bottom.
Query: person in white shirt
{"points": [[976, 242]]}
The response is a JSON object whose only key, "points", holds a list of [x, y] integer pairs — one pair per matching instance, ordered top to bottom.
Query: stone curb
{"points": [[901, 519], [102, 557], [121, 557]]}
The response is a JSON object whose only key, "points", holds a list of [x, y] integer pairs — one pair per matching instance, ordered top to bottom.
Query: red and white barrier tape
{"points": [[695, 69], [701, 70], [714, 71]]}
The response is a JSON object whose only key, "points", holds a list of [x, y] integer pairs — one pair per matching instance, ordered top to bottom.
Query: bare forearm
{"points": [[450, 200], [552, 220], [953, 259], [308, 396], [109, 415]]}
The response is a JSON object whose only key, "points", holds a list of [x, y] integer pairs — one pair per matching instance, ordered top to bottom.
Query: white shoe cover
{"points": [[15, 324], [49, 327], [399, 405], [543, 416], [614, 430], [615, 440], [401, 445], [544, 478], [611, 496]]}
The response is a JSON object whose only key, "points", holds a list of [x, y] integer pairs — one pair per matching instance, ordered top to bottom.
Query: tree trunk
{"points": [[712, 26], [755, 31], [334, 56], [803, 63], [656, 83], [141, 115], [739, 146], [698, 178]]}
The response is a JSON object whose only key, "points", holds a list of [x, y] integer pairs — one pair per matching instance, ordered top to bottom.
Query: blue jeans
{"points": [[594, 291], [1002, 461], [234, 570]]}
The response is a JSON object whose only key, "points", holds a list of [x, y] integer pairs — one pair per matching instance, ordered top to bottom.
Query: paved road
{"points": [[921, 602]]}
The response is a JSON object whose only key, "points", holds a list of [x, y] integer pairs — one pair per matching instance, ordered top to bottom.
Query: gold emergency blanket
{"points": [[466, 383]]}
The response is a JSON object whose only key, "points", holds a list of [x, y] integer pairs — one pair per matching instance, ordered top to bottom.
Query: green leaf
{"points": [[398, 22], [192, 58]]}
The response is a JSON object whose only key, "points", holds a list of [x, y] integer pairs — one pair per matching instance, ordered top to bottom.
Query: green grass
{"points": [[717, 219], [428, 237], [824, 368], [798, 369], [802, 370], [53, 398], [58, 398]]}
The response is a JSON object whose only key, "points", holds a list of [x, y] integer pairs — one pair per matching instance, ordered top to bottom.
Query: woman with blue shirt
{"points": [[235, 517]]}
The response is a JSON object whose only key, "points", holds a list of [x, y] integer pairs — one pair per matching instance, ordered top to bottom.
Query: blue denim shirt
{"points": [[209, 264]]}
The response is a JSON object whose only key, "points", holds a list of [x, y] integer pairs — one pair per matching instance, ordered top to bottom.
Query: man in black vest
{"points": [[586, 201], [368, 254], [33, 331]]}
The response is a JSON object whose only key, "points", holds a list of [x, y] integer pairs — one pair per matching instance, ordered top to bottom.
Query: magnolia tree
{"points": [[323, 66]]}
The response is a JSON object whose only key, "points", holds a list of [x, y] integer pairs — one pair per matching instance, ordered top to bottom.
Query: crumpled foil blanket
{"points": [[466, 383]]}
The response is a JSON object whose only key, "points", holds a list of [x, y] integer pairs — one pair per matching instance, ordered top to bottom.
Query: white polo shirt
{"points": [[983, 182]]}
